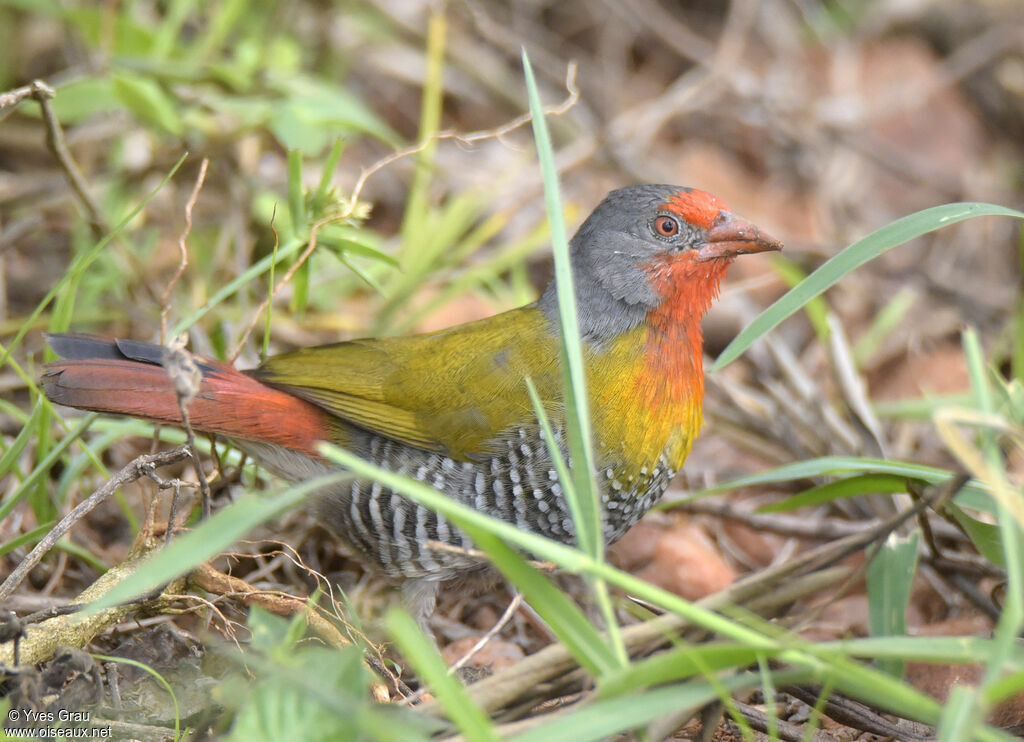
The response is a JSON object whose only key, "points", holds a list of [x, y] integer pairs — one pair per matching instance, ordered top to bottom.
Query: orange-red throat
{"points": [[688, 281], [674, 346]]}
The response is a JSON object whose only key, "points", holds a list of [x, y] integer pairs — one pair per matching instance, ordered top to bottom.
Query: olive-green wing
{"points": [[451, 391]]}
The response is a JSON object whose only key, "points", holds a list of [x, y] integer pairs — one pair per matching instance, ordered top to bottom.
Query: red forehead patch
{"points": [[696, 207]]}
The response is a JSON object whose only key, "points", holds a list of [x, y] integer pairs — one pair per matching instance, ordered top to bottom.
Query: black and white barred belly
{"points": [[518, 485]]}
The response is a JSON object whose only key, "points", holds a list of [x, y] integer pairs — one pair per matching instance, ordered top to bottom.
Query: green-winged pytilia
{"points": [[451, 408]]}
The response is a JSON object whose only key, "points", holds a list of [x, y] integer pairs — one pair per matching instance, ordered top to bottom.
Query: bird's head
{"points": [[653, 251]]}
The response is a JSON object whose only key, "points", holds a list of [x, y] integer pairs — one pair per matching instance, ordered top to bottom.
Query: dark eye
{"points": [[666, 226]]}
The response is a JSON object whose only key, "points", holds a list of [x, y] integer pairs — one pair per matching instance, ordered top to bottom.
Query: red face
{"points": [[697, 207], [725, 234], [710, 236]]}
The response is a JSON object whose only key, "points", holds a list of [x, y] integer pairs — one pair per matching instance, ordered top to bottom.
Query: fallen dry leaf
{"points": [[687, 562], [497, 654]]}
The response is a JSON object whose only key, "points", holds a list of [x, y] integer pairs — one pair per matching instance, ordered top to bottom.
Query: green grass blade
{"points": [[219, 28], [170, 29], [327, 176], [296, 202], [417, 203], [851, 258], [271, 283], [816, 309], [887, 320], [1017, 350], [919, 409], [17, 414], [9, 459], [560, 464], [833, 465], [44, 466], [860, 484], [584, 499], [586, 511], [985, 536], [29, 537], [70, 547], [890, 577], [1012, 615], [416, 648], [590, 649], [953, 650], [677, 664], [768, 685], [1004, 688], [960, 715], [606, 719]]}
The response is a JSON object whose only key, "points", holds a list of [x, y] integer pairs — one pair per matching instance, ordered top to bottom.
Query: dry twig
{"points": [[55, 140], [165, 300], [143, 466], [278, 603]]}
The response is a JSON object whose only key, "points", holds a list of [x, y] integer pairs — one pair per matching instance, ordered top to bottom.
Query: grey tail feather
{"points": [[80, 346]]}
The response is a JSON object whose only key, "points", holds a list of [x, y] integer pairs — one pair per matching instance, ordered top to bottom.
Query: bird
{"points": [[451, 407]]}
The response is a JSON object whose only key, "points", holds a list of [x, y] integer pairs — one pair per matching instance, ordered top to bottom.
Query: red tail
{"points": [[126, 377]]}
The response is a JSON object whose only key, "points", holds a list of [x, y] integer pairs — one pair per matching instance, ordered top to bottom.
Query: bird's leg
{"points": [[420, 597]]}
